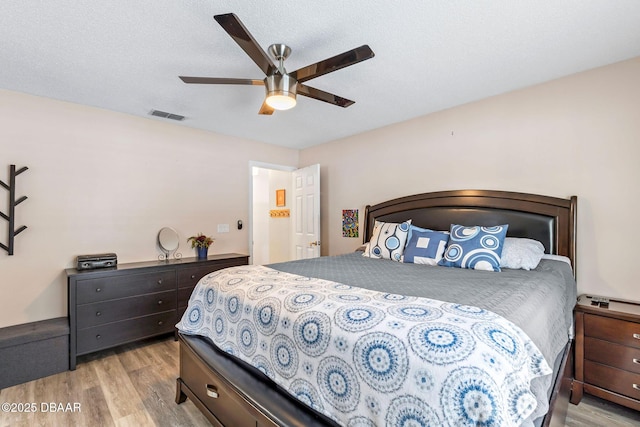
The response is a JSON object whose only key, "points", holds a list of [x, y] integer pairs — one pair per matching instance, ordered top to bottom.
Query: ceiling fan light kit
{"points": [[282, 87], [281, 91]]}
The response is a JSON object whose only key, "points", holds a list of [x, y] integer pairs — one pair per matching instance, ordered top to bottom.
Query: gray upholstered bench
{"points": [[33, 350]]}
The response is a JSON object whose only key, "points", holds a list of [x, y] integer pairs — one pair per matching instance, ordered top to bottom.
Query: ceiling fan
{"points": [[282, 87]]}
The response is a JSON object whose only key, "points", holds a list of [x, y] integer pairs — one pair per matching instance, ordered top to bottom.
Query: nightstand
{"points": [[607, 354]]}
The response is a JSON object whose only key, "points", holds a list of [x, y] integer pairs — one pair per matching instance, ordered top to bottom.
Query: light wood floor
{"points": [[134, 385]]}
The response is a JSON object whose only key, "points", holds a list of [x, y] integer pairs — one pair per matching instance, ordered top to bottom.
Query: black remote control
{"points": [[601, 302]]}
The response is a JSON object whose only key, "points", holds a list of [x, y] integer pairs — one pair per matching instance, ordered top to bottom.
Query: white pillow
{"points": [[388, 240], [519, 253]]}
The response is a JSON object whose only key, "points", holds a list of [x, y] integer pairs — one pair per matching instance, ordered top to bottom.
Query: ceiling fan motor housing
{"points": [[280, 88]]}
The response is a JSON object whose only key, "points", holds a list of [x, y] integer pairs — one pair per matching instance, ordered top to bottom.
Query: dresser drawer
{"points": [[189, 277], [105, 288], [183, 296], [181, 311], [98, 313], [614, 330], [112, 334], [611, 354], [613, 379], [211, 390]]}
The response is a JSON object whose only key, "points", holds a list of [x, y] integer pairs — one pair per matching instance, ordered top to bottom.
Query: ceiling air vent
{"points": [[166, 115]]}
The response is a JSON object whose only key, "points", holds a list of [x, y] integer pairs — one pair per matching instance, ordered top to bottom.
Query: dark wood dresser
{"points": [[112, 306], [607, 358]]}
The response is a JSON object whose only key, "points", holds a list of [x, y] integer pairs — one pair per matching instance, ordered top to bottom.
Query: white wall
{"points": [[579, 135], [100, 181]]}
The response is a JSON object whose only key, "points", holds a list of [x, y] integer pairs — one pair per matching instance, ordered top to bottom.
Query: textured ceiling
{"points": [[430, 55]]}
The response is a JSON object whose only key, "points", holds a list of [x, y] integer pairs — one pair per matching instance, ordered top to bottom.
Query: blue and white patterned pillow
{"points": [[388, 240], [424, 246], [477, 248]]}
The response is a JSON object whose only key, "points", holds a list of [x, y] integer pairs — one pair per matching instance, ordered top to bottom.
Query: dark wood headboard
{"points": [[550, 220]]}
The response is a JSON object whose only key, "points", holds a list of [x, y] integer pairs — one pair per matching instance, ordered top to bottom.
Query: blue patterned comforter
{"points": [[368, 358]]}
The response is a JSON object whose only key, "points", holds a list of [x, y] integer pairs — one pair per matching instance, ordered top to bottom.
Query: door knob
{"points": [[316, 243]]}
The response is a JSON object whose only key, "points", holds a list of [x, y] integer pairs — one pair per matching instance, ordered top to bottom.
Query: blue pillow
{"points": [[424, 246], [477, 248]]}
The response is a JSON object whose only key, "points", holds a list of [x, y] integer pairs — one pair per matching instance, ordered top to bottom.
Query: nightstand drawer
{"points": [[105, 288], [98, 313], [613, 330], [615, 355], [608, 378]]}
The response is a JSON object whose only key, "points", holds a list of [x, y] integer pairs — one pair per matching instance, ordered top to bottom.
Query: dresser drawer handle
{"points": [[193, 276], [159, 281], [98, 290], [159, 302], [98, 313], [160, 323], [98, 336], [636, 361], [636, 386], [212, 392]]}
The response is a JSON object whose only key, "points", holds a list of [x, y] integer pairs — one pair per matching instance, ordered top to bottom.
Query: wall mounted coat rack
{"points": [[12, 207]]}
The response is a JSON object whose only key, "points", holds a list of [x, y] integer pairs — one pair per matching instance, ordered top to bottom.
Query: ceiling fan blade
{"points": [[245, 40], [334, 63], [221, 81], [321, 95], [265, 109]]}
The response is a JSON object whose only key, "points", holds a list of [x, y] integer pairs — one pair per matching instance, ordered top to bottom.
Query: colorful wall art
{"points": [[350, 223]]}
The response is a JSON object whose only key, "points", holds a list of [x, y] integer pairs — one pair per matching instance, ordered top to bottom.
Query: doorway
{"points": [[278, 210]]}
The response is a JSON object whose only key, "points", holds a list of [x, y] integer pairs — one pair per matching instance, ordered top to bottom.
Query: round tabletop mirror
{"points": [[168, 240]]}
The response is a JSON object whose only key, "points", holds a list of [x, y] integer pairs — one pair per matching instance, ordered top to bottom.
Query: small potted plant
{"points": [[201, 243]]}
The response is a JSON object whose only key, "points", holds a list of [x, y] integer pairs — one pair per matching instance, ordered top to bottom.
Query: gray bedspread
{"points": [[539, 301]]}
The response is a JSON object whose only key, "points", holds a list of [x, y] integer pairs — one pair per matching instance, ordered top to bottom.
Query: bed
{"points": [[232, 382]]}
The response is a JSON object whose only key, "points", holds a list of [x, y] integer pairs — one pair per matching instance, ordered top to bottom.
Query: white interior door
{"points": [[305, 212]]}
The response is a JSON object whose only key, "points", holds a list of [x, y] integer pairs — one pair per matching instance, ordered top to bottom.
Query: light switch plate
{"points": [[223, 228]]}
